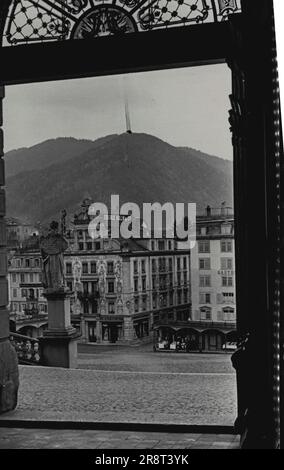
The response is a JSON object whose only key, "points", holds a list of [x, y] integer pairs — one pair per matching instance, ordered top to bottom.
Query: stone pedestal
{"points": [[59, 341], [9, 376]]}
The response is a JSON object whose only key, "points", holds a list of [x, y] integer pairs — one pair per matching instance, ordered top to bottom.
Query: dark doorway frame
{"points": [[247, 43]]}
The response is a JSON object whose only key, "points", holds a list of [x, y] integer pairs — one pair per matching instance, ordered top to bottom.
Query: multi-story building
{"points": [[18, 232], [125, 284], [28, 307], [213, 319]]}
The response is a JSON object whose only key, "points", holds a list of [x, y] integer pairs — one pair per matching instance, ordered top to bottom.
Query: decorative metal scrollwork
{"points": [[49, 20]]}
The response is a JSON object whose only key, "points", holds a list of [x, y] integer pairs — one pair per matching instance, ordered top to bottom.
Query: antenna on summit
{"points": [[126, 105]]}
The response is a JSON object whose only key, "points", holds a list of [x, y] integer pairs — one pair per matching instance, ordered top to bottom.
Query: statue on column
{"points": [[52, 247]]}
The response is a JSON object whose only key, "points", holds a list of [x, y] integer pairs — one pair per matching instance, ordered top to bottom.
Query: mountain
{"points": [[47, 153], [138, 167]]}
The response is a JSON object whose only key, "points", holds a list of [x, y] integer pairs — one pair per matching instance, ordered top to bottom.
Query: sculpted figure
{"points": [[52, 247]]}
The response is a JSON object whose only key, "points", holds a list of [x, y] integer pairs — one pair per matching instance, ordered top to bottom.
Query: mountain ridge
{"points": [[139, 167]]}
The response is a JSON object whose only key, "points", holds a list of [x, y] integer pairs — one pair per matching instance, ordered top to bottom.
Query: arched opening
{"points": [[187, 339], [212, 340]]}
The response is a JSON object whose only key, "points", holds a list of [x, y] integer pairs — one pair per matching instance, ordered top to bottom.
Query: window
{"points": [[226, 229], [203, 230], [80, 234], [152, 245], [161, 245], [170, 245], [81, 246], [89, 246], [97, 246], [204, 246], [226, 246], [27, 263], [36, 263], [184, 263], [204, 263], [227, 263], [170, 264], [178, 264], [153, 265], [143, 266], [93, 267], [110, 267], [135, 267], [68, 268], [85, 269], [14, 277], [22, 277], [31, 277], [205, 281], [227, 281], [144, 283], [69, 285], [135, 285], [94, 287], [110, 287], [15, 293], [24, 293], [185, 293], [228, 295], [171, 297], [179, 297], [205, 298], [154, 300], [144, 302], [136, 304], [94, 305], [86, 306], [111, 308], [205, 313], [228, 313]]}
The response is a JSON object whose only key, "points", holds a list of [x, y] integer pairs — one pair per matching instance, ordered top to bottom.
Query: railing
{"points": [[39, 318], [27, 349]]}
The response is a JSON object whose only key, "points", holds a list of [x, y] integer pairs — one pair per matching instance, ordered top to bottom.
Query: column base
{"points": [[59, 348], [9, 376]]}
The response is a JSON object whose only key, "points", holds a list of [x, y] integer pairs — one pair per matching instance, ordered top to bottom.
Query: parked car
{"points": [[230, 346]]}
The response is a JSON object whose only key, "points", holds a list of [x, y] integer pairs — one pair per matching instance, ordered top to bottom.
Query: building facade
{"points": [[18, 232], [125, 284], [27, 306], [212, 324]]}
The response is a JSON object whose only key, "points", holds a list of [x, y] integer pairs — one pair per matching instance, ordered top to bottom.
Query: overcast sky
{"points": [[187, 106]]}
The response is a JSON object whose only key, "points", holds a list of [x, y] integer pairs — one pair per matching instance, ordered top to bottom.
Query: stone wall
{"points": [[9, 376]]}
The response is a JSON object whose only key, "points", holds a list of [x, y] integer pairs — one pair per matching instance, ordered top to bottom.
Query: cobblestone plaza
{"points": [[116, 384]]}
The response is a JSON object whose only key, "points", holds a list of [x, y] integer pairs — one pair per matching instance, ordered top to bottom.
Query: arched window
{"points": [[228, 313]]}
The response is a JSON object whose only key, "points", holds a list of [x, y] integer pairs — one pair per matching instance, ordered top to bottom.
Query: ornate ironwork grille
{"points": [[52, 20]]}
